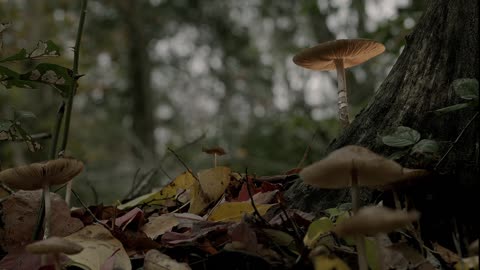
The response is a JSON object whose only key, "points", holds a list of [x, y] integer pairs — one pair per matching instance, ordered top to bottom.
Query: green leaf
{"points": [[43, 49], [57, 76], [10, 78], [466, 88], [453, 108], [5, 125], [403, 136], [29, 142], [426, 147], [398, 154], [316, 229], [372, 254]]}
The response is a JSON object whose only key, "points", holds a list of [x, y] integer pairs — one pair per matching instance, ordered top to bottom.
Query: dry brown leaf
{"points": [[20, 213], [447, 255]]}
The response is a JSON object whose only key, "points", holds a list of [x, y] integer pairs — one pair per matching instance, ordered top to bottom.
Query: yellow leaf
{"points": [[182, 182], [213, 183], [234, 211], [159, 225], [316, 229], [98, 245], [155, 260], [323, 262], [470, 263]]}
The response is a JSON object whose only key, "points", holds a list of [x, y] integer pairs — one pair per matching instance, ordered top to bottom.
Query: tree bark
{"points": [[443, 46]]}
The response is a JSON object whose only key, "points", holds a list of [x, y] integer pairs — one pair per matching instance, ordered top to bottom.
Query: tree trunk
{"points": [[444, 46], [139, 80]]}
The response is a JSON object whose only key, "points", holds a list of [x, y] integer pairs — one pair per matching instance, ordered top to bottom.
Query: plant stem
{"points": [[342, 93], [66, 129], [56, 131], [456, 141], [46, 196], [359, 239]]}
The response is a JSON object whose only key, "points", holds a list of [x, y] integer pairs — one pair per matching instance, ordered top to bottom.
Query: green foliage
{"points": [[43, 49], [466, 89], [12, 130], [405, 137]]}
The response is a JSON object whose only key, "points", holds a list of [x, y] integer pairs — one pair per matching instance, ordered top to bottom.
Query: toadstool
{"points": [[339, 55], [214, 151], [41, 176], [55, 246]]}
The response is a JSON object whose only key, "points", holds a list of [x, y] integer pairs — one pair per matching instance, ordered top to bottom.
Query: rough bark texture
{"points": [[444, 46]]}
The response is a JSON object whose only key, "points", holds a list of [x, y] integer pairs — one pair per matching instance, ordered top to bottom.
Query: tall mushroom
{"points": [[339, 55], [215, 151], [353, 166], [41, 176]]}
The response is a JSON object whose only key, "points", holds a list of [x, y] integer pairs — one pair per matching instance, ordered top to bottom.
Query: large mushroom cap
{"points": [[352, 51], [334, 171], [35, 175], [375, 219], [54, 245]]}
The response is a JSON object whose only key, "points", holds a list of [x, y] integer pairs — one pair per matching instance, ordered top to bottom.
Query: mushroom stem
{"points": [[342, 93], [214, 160], [68, 192], [396, 199], [48, 204], [359, 240], [56, 261]]}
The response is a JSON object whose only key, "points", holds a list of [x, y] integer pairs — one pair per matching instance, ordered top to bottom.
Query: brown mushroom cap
{"points": [[352, 51], [214, 150], [334, 171], [35, 175], [375, 219], [54, 245]]}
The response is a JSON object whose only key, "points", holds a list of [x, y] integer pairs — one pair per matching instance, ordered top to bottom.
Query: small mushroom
{"points": [[339, 54], [214, 151], [41, 176], [372, 220], [54, 246]]}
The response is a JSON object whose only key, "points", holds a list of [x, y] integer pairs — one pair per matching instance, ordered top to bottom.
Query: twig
{"points": [[38, 136], [456, 141], [307, 150], [184, 165], [165, 173], [6, 188], [94, 191], [251, 199], [86, 208], [298, 238]]}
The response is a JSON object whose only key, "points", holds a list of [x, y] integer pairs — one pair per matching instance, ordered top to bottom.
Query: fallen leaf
{"points": [[211, 186], [165, 195], [264, 197], [234, 211], [299, 217], [19, 218], [124, 220], [159, 225], [200, 229], [317, 229], [244, 234], [281, 238], [99, 245], [447, 255], [155, 260], [323, 262], [470, 263]]}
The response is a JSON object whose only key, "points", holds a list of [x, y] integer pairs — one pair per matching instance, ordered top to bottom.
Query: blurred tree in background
{"points": [[186, 74]]}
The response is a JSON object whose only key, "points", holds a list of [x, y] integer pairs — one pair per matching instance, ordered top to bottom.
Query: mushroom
{"points": [[339, 54], [214, 151], [353, 166], [41, 176], [372, 220], [54, 245]]}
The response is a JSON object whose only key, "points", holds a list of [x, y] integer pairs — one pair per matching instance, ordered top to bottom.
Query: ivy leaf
{"points": [[43, 49], [466, 88], [453, 108], [403, 136], [426, 147], [398, 155]]}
